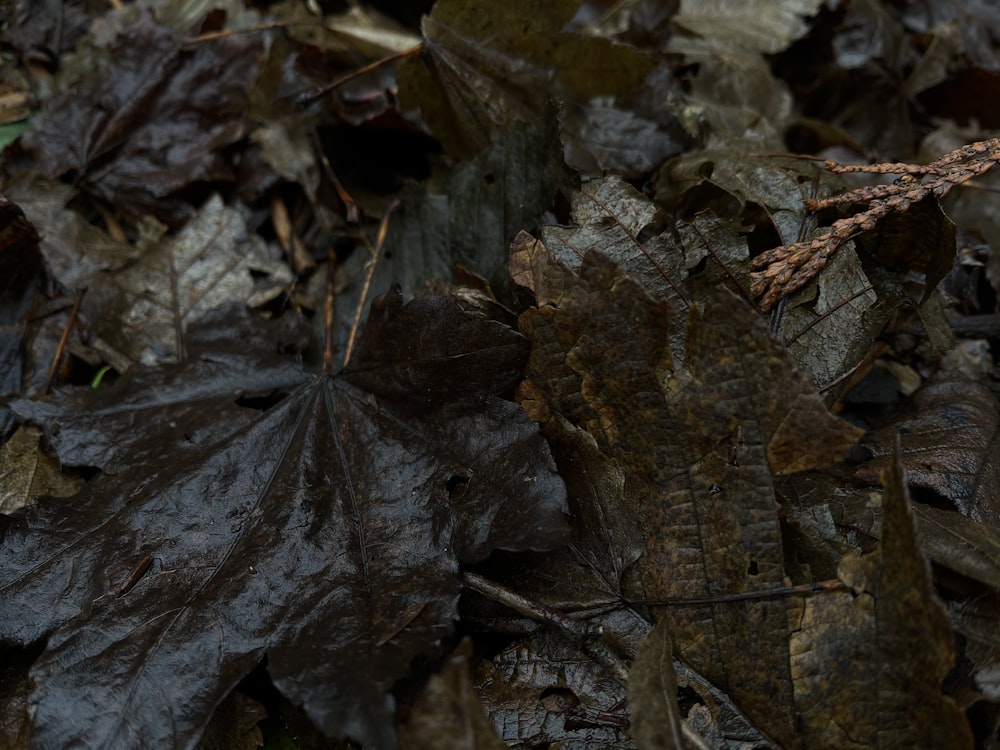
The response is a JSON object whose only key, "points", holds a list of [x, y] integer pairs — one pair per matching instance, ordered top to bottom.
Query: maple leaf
{"points": [[487, 66], [260, 511]]}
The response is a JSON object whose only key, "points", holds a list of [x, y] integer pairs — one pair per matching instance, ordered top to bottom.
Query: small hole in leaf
{"points": [[489, 179], [261, 403], [456, 485], [752, 570]]}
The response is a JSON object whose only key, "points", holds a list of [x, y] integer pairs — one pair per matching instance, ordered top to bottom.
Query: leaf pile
{"points": [[501, 376]]}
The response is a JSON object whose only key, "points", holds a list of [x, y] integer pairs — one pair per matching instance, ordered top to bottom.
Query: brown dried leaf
{"points": [[699, 445], [949, 445], [892, 624], [652, 693], [448, 715]]}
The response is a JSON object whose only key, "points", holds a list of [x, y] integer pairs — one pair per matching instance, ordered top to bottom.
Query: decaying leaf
{"points": [[487, 66], [152, 121], [481, 207], [214, 260], [600, 357], [948, 446], [26, 472], [323, 529], [868, 664], [544, 690], [652, 692], [448, 715]]}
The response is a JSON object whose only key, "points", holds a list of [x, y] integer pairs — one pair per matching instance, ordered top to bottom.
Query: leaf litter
{"points": [[332, 493], [717, 546]]}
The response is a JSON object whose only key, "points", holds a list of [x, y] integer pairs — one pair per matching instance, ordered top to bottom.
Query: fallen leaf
{"points": [[759, 25], [486, 67], [153, 119], [483, 204], [213, 260], [24, 281], [699, 444], [948, 446], [26, 472], [322, 530], [868, 664], [543, 690], [652, 693], [448, 715]]}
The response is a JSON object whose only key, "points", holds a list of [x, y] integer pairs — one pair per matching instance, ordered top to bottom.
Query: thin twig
{"points": [[307, 99], [383, 232], [63, 340]]}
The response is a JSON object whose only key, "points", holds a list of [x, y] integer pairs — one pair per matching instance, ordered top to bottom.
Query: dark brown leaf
{"points": [[485, 67], [152, 121], [699, 444], [949, 446], [323, 529], [868, 664], [652, 693], [448, 715]]}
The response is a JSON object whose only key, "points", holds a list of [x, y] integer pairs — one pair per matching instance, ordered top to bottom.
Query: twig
{"points": [[307, 99], [383, 232], [63, 340]]}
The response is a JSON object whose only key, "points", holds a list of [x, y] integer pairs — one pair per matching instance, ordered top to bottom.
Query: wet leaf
{"points": [[487, 66], [152, 121], [481, 207], [19, 252], [214, 260], [699, 444], [948, 446], [26, 472], [322, 529], [891, 619], [545, 690], [448, 714]]}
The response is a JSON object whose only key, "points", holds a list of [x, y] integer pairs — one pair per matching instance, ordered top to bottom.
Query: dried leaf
{"points": [[759, 25], [487, 66], [481, 207], [600, 358], [948, 446], [26, 472], [288, 532], [893, 625], [544, 690], [652, 694], [448, 714]]}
